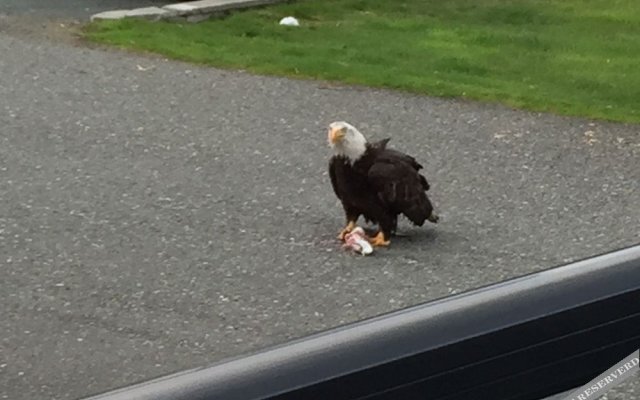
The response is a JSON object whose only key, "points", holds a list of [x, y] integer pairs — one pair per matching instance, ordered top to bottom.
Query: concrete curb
{"points": [[192, 11]]}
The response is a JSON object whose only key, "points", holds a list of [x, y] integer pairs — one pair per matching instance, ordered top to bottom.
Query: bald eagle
{"points": [[376, 182]]}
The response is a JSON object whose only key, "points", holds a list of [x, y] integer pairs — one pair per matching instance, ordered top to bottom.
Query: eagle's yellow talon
{"points": [[347, 229], [378, 240]]}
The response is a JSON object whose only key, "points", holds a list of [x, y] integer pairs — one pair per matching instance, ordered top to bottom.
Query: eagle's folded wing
{"points": [[332, 175], [400, 187]]}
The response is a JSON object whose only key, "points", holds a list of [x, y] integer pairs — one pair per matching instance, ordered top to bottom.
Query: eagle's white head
{"points": [[347, 141]]}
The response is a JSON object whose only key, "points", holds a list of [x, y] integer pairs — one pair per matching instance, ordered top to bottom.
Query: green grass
{"points": [[573, 57]]}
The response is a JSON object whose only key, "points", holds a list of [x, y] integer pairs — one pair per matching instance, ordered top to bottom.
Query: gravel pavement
{"points": [[157, 216]]}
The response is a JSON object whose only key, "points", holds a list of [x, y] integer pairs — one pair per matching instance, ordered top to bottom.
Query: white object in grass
{"points": [[289, 21]]}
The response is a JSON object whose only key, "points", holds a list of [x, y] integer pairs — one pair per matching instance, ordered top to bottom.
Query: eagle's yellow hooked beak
{"points": [[336, 135]]}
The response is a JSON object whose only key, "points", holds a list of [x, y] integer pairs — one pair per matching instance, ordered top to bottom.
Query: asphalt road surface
{"points": [[79, 9], [157, 216]]}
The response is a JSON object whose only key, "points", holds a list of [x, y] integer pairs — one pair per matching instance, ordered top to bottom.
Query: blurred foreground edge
{"points": [[525, 338]]}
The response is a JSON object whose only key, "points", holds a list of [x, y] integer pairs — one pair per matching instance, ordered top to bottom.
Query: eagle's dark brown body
{"points": [[380, 185]]}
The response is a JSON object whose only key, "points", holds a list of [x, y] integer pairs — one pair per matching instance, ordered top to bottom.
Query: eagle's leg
{"points": [[351, 224], [380, 239]]}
